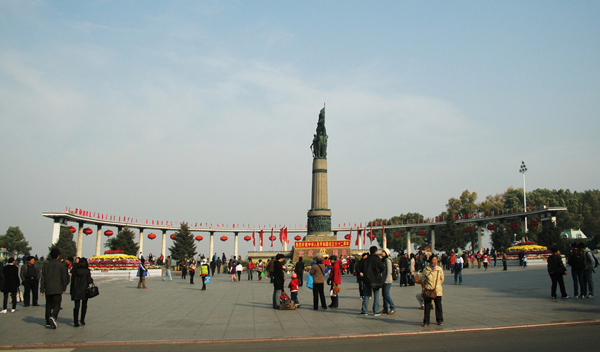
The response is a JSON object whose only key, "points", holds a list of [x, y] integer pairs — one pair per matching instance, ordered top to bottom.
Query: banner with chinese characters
{"points": [[321, 244]]}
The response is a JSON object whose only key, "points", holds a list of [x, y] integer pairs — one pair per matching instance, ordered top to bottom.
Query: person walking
{"points": [[577, 262], [260, 268], [458, 268], [168, 269], [184, 269], [239, 269], [250, 269], [192, 270], [232, 270], [372, 270], [556, 270], [299, 271], [204, 272], [142, 273], [318, 273], [30, 277], [81, 278], [433, 278], [278, 279], [335, 279], [55, 280], [11, 285], [388, 303]]}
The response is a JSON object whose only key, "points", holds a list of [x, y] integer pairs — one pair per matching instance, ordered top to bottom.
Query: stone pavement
{"points": [[178, 311]]}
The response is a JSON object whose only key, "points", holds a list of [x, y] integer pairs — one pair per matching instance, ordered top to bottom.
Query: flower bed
{"points": [[531, 250], [115, 261]]}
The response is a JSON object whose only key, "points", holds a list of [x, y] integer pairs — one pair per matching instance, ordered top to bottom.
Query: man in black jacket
{"points": [[557, 269], [299, 270], [371, 273], [30, 277], [278, 278], [54, 283]]}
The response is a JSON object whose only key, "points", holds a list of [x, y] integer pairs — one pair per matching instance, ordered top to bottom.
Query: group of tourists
{"points": [[582, 263], [51, 282]]}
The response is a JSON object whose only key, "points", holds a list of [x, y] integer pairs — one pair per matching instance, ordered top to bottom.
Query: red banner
{"points": [[321, 244]]}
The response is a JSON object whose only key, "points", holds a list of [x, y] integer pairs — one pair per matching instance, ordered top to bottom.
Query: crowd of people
{"points": [[51, 282]]}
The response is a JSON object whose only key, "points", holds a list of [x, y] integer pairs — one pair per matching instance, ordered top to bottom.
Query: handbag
{"points": [[207, 280], [309, 281], [92, 291], [431, 294]]}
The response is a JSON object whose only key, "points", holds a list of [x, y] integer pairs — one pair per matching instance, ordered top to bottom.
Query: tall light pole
{"points": [[523, 170]]}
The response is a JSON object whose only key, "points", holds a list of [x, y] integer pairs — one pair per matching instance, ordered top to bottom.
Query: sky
{"points": [[204, 111]]}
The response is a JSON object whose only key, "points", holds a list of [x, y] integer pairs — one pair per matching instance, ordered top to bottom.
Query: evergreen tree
{"points": [[451, 238], [502, 238], [14, 241], [124, 241], [65, 243], [184, 245]]}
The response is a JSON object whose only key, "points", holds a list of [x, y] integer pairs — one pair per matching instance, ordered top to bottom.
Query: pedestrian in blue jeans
{"points": [[458, 266], [372, 270], [388, 303]]}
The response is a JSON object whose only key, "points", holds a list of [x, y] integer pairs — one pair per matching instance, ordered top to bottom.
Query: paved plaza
{"points": [[178, 311]]}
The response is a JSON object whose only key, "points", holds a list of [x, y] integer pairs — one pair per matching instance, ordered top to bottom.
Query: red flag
{"points": [[285, 235], [371, 235], [281, 236], [261, 238], [271, 238], [253, 239]]}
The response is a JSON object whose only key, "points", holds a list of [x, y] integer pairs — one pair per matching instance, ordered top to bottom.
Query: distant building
{"points": [[573, 235]]}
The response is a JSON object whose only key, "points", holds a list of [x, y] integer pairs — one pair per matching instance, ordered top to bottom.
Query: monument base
{"points": [[326, 245]]}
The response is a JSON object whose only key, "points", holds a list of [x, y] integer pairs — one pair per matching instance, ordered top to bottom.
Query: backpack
{"points": [[395, 270], [285, 302]]}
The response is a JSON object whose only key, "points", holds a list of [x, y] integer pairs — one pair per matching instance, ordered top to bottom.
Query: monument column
{"points": [[319, 215], [80, 240], [99, 240], [141, 242], [212, 242], [164, 243], [235, 244]]}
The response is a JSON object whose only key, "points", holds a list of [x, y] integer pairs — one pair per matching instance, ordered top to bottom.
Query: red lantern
{"points": [[534, 223], [514, 225], [491, 227], [72, 229], [468, 229], [87, 231], [108, 233], [421, 233], [397, 234], [151, 236], [173, 236], [347, 236], [199, 238], [223, 238], [247, 238], [272, 238], [298, 238]]}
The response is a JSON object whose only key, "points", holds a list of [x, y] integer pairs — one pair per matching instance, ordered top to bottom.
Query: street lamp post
{"points": [[523, 170]]}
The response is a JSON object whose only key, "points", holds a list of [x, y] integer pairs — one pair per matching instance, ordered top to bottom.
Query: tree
{"points": [[550, 236], [451, 238], [502, 238], [14, 241], [124, 241], [65, 243], [184, 245]]}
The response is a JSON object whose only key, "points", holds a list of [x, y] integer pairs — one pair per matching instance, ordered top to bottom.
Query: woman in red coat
{"points": [[335, 279]]}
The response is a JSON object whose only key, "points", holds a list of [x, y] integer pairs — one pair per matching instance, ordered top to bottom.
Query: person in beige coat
{"points": [[433, 278]]}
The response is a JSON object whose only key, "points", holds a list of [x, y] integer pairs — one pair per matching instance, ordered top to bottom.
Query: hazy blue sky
{"points": [[204, 111]]}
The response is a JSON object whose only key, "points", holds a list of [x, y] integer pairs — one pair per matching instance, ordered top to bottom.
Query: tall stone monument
{"points": [[319, 215], [319, 238]]}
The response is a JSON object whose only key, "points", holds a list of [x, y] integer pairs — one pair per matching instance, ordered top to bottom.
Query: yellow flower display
{"points": [[528, 248], [114, 256]]}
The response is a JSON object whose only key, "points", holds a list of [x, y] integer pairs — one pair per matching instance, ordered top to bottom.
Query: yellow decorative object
{"points": [[528, 248], [114, 256]]}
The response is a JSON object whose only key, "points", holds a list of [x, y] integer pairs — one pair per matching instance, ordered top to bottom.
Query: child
{"points": [[294, 289]]}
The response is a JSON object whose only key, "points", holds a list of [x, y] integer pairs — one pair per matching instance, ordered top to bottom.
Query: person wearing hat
{"points": [[204, 269], [293, 286], [388, 303]]}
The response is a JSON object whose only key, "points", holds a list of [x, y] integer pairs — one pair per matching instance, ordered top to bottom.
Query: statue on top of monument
{"points": [[319, 144]]}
